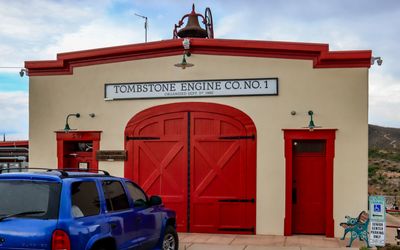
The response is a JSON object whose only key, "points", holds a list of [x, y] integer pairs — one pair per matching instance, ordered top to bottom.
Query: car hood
{"points": [[26, 233]]}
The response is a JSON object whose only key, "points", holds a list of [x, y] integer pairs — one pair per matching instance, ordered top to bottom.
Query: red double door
{"points": [[202, 164]]}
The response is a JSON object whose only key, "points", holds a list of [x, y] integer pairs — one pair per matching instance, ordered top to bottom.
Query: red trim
{"points": [[318, 53], [186, 107], [190, 107], [304, 134], [63, 136], [14, 143]]}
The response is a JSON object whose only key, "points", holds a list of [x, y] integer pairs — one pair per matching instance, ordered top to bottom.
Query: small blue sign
{"points": [[377, 208]]}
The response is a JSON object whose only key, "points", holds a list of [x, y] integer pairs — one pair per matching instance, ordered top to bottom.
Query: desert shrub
{"points": [[372, 168], [389, 247]]}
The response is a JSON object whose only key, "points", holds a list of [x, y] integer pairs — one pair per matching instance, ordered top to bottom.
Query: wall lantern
{"points": [[186, 46], [378, 60], [184, 63], [23, 72], [311, 124], [67, 128]]}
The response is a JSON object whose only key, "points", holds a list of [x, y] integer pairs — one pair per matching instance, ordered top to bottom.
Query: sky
{"points": [[39, 29]]}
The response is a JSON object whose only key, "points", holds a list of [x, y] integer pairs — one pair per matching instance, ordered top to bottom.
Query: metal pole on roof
{"points": [[145, 26]]}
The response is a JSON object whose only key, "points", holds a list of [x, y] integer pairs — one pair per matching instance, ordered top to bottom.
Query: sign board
{"points": [[200, 88], [111, 155], [83, 166], [377, 209]]}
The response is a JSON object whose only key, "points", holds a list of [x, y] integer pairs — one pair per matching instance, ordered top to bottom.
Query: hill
{"points": [[382, 138], [384, 161]]}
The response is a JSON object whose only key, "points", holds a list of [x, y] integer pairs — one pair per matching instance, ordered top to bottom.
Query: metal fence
{"points": [[392, 202]]}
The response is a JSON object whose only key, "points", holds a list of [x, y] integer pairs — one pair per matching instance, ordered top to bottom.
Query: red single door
{"points": [[160, 153], [222, 183], [308, 193]]}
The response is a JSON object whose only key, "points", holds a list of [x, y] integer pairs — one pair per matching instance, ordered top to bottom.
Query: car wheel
{"points": [[170, 240], [102, 248]]}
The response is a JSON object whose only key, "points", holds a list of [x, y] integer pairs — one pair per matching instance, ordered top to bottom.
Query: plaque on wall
{"points": [[196, 88], [111, 155]]}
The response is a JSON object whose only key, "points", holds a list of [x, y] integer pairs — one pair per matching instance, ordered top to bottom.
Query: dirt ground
{"points": [[391, 232]]}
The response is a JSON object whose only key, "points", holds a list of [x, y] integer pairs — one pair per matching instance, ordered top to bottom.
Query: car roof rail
{"points": [[87, 170], [61, 171]]}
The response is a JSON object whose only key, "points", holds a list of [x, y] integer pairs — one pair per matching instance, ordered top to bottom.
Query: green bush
{"points": [[375, 153], [372, 170], [389, 247]]}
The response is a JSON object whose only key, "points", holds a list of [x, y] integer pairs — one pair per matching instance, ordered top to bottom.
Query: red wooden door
{"points": [[160, 160], [202, 164], [222, 184], [309, 187]]}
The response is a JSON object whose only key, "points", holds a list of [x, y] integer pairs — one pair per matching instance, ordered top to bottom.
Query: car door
{"points": [[123, 219], [148, 219]]}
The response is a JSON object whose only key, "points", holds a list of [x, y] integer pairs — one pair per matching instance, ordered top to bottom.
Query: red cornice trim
{"points": [[318, 53], [14, 144]]}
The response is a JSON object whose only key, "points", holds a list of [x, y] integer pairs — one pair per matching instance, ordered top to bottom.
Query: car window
{"points": [[20, 196], [115, 196], [138, 196], [85, 199]]}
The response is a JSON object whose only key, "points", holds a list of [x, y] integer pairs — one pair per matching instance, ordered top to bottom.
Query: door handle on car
{"points": [[113, 225]]}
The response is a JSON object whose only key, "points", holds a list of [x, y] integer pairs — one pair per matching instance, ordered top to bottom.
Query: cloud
{"points": [[27, 28], [96, 34], [384, 103], [14, 115]]}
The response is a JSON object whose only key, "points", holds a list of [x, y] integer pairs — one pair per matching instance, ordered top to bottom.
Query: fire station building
{"points": [[237, 136]]}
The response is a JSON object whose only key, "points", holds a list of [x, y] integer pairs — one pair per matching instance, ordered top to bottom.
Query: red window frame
{"points": [[63, 136]]}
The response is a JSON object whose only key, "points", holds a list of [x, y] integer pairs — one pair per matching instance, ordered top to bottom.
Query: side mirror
{"points": [[155, 200]]}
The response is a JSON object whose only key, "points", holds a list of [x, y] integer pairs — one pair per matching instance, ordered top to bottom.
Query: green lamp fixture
{"points": [[184, 64], [311, 124], [67, 128]]}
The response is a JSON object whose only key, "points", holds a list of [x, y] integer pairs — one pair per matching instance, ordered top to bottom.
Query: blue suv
{"points": [[66, 210]]}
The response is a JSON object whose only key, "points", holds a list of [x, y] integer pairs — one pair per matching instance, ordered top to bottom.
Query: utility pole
{"points": [[145, 26]]}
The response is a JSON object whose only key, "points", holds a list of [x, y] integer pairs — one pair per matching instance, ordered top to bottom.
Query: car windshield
{"points": [[28, 198]]}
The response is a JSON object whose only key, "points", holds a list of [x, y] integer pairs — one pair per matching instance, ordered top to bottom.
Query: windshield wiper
{"points": [[22, 214]]}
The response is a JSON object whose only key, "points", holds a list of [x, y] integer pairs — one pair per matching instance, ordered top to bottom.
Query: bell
{"points": [[192, 28]]}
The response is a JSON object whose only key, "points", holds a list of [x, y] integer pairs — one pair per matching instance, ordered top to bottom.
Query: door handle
{"points": [[294, 196], [113, 225]]}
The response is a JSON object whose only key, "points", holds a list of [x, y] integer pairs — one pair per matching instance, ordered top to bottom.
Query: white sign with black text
{"points": [[236, 87], [377, 209], [377, 236]]}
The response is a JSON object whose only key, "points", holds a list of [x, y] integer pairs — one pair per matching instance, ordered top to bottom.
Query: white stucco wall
{"points": [[338, 97]]}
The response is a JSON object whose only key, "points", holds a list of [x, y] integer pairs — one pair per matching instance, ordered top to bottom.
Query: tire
{"points": [[170, 239], [103, 245], [102, 248]]}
